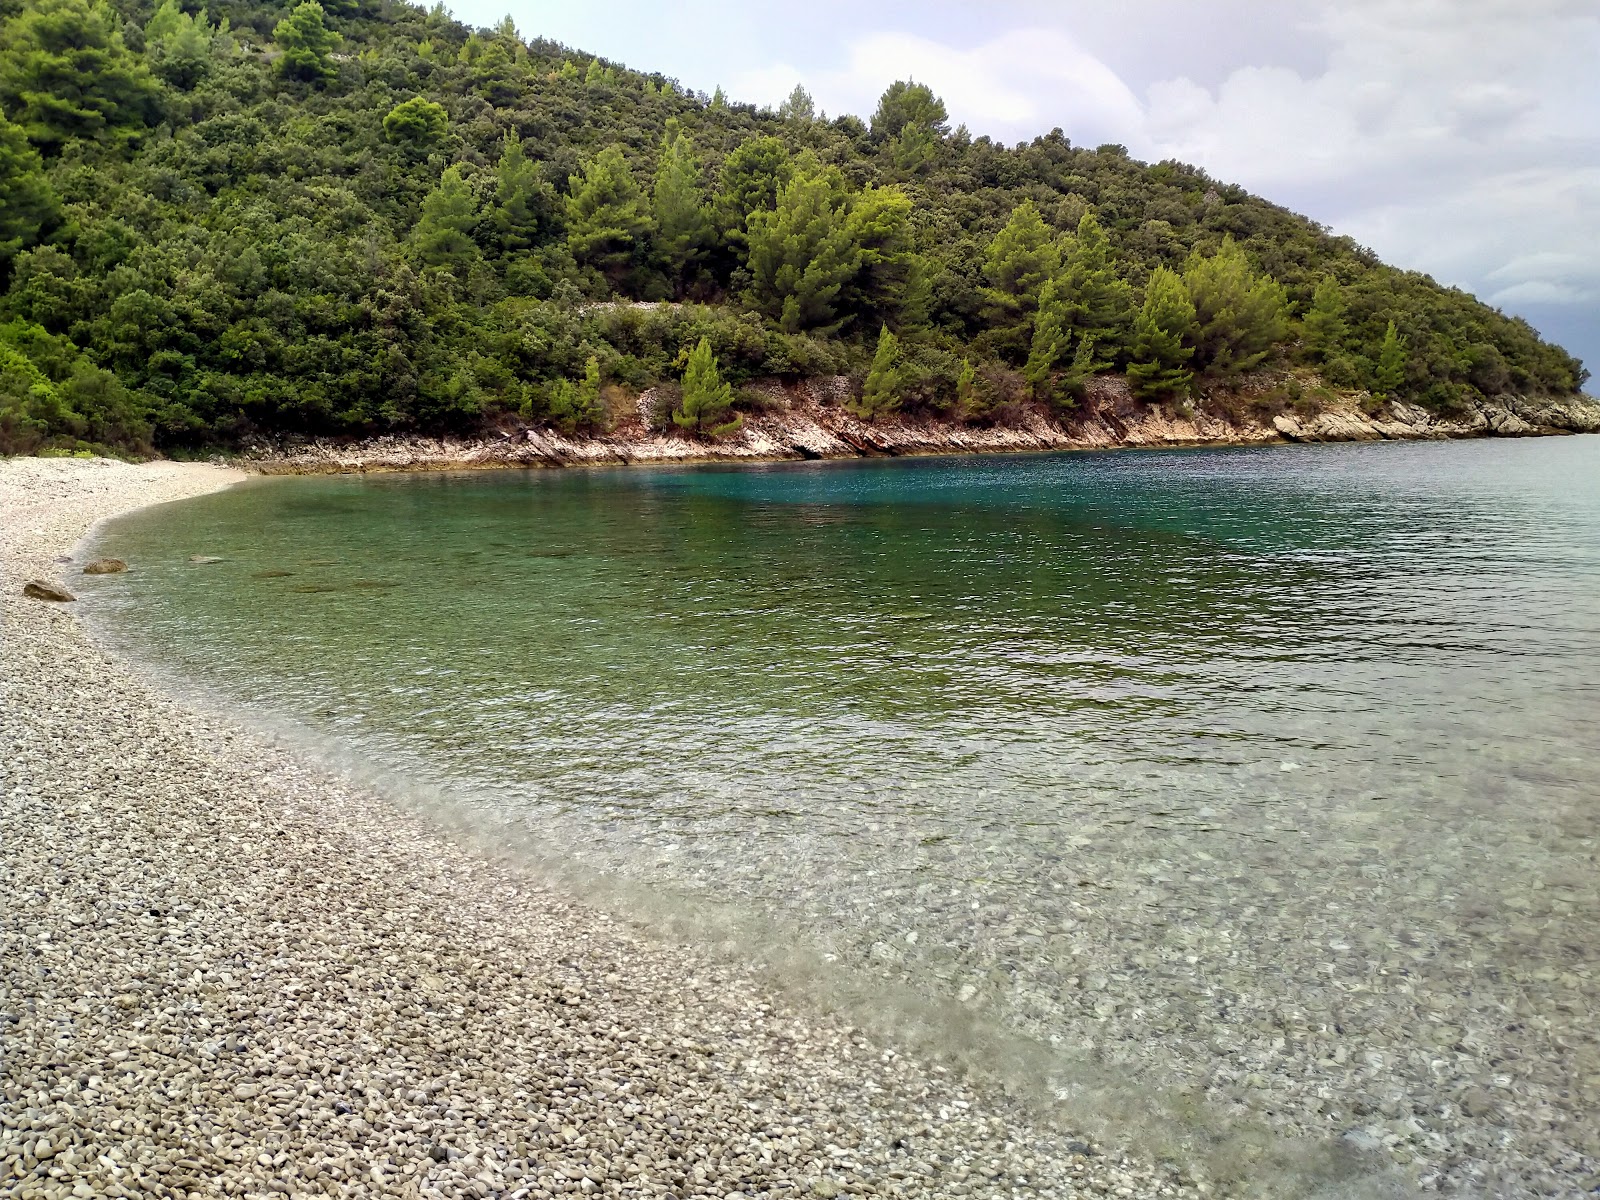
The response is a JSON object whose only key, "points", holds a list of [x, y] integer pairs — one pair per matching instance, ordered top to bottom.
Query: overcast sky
{"points": [[1457, 137]]}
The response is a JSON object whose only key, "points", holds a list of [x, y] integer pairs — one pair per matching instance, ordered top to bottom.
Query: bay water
{"points": [[1256, 787]]}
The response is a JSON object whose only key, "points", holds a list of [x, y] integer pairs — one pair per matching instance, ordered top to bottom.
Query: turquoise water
{"points": [[1265, 779]]}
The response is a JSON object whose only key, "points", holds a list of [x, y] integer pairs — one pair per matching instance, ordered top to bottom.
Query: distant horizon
{"points": [[1498, 178]]}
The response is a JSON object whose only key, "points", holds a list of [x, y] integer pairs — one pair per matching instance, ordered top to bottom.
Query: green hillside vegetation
{"points": [[361, 217]]}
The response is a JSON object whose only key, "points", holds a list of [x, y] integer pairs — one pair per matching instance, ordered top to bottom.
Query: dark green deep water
{"points": [[1271, 774]]}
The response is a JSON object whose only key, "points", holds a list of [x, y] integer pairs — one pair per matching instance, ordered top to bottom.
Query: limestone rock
{"points": [[1506, 423], [1288, 427], [1343, 427], [105, 566], [40, 590]]}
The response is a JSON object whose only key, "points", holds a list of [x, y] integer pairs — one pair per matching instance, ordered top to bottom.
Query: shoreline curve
{"points": [[228, 971]]}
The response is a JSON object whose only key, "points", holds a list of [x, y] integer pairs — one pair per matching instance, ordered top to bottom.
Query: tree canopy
{"points": [[358, 218]]}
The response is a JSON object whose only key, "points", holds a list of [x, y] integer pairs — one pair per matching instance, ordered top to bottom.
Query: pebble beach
{"points": [[227, 971]]}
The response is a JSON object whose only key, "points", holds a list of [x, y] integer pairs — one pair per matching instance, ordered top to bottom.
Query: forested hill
{"points": [[362, 218]]}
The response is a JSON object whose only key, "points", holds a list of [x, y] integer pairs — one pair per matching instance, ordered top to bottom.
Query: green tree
{"points": [[307, 44], [179, 46], [66, 74], [907, 104], [798, 108], [418, 124], [912, 149], [752, 176], [28, 204], [525, 204], [682, 214], [608, 217], [443, 234], [803, 253], [1019, 261], [889, 278], [1098, 303], [1240, 315], [1324, 327], [1056, 341], [1160, 354], [1389, 373], [881, 392], [707, 400], [970, 401], [575, 407]]}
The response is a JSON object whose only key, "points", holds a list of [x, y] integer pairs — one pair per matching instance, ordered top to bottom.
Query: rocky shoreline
{"points": [[807, 421], [227, 971]]}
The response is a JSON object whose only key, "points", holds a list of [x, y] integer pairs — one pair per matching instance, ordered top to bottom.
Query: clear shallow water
{"points": [[1264, 778]]}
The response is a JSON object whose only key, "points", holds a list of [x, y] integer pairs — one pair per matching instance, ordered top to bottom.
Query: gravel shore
{"points": [[225, 971]]}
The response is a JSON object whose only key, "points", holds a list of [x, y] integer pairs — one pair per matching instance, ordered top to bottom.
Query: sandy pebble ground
{"points": [[225, 972]]}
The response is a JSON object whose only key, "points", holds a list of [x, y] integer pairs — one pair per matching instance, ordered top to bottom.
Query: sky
{"points": [[1456, 137]]}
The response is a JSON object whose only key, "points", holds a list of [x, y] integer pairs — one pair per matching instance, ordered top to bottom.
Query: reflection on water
{"points": [[1266, 776]]}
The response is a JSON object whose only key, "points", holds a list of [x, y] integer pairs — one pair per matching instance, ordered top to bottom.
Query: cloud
{"points": [[1017, 84], [1457, 137]]}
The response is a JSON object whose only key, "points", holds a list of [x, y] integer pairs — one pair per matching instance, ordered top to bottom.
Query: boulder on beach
{"points": [[105, 566], [40, 590]]}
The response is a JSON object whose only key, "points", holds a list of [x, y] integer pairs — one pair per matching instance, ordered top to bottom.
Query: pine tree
{"points": [[307, 44], [178, 45], [66, 74], [907, 104], [798, 108], [418, 124], [912, 149], [752, 176], [28, 204], [525, 204], [682, 215], [608, 217], [443, 235], [803, 253], [1020, 260], [890, 277], [1098, 302], [1239, 314], [1324, 328], [1057, 341], [1160, 353], [1389, 376], [881, 392], [707, 400], [970, 403], [575, 407]]}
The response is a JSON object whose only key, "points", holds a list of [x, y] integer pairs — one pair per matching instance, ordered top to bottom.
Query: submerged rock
{"points": [[205, 558], [105, 566], [40, 590]]}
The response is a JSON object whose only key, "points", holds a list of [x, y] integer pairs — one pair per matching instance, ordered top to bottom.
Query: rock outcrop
{"points": [[808, 421], [39, 589]]}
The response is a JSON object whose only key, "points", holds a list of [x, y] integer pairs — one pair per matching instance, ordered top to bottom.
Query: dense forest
{"points": [[262, 219]]}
